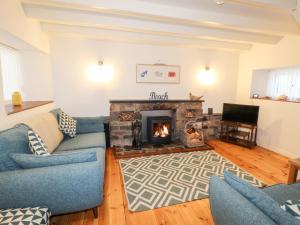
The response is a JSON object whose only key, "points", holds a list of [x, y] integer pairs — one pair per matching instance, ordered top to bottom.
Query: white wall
{"points": [[14, 21], [25, 35], [37, 71], [259, 82], [37, 85], [77, 95], [8, 121], [279, 123]]}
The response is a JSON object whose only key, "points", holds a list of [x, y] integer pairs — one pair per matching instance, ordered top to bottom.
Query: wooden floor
{"points": [[267, 166]]}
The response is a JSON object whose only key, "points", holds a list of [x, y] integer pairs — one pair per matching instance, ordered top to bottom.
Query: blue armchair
{"points": [[62, 188], [235, 202]]}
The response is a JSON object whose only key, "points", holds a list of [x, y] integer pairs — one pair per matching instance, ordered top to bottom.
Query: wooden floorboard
{"points": [[269, 167]]}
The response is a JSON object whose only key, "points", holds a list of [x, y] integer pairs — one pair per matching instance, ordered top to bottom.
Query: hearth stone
{"points": [[150, 149]]}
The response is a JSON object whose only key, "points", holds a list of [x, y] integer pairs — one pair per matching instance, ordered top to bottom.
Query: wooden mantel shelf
{"points": [[154, 101], [10, 109]]}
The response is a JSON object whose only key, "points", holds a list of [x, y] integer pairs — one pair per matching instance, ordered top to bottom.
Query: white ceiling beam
{"points": [[282, 4], [45, 14], [279, 24], [181, 32], [123, 36], [7, 39]]}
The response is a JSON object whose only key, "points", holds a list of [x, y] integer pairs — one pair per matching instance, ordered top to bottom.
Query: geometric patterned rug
{"points": [[164, 180]]}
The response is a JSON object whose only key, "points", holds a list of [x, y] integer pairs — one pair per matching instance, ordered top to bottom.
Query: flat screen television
{"points": [[247, 114]]}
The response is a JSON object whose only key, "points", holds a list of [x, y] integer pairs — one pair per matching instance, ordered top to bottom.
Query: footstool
{"points": [[293, 173], [25, 216]]}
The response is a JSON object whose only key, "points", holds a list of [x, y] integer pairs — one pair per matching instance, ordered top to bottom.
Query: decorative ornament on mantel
{"points": [[154, 96], [194, 97], [16, 99]]}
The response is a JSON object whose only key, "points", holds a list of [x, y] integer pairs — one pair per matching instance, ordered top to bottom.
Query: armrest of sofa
{"points": [[90, 124], [63, 189], [229, 207]]}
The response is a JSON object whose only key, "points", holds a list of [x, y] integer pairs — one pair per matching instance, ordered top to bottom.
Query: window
{"points": [[10, 64], [284, 82], [277, 84]]}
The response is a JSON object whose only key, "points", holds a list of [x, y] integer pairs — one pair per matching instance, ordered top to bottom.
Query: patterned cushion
{"points": [[67, 124], [36, 144], [292, 207], [25, 216]]}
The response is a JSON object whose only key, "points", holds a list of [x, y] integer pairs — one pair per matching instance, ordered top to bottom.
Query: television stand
{"points": [[238, 133]]}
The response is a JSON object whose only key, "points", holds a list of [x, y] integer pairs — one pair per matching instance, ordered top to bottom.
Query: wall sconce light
{"points": [[100, 63], [100, 73], [206, 76]]}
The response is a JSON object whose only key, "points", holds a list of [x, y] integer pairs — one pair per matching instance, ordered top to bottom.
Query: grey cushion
{"points": [[56, 112], [90, 124], [83, 141], [100, 153], [27, 161], [296, 186], [282, 192], [261, 200]]}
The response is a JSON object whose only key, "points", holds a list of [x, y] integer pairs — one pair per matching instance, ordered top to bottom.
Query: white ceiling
{"points": [[229, 4], [235, 25]]}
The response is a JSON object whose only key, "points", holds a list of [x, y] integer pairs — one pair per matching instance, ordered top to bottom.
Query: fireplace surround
{"points": [[123, 112]]}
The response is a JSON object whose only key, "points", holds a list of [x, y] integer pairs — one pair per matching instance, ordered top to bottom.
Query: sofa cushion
{"points": [[56, 113], [67, 124], [90, 124], [46, 126], [14, 140], [83, 141], [36, 144], [100, 153], [28, 161], [295, 186], [282, 192], [260, 199], [23, 216]]}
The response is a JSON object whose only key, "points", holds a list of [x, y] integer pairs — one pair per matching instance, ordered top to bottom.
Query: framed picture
{"points": [[157, 73]]}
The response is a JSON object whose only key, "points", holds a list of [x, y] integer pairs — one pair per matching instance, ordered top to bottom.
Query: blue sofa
{"points": [[62, 188], [230, 207]]}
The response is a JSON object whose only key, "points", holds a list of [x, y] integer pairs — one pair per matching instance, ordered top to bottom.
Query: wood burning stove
{"points": [[159, 129]]}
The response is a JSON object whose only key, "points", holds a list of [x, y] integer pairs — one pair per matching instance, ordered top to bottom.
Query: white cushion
{"points": [[46, 126]]}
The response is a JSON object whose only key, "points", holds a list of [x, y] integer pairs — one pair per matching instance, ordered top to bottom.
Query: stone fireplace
{"points": [[124, 112]]}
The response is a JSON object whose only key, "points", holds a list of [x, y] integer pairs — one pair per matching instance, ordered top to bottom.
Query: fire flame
{"points": [[162, 132]]}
